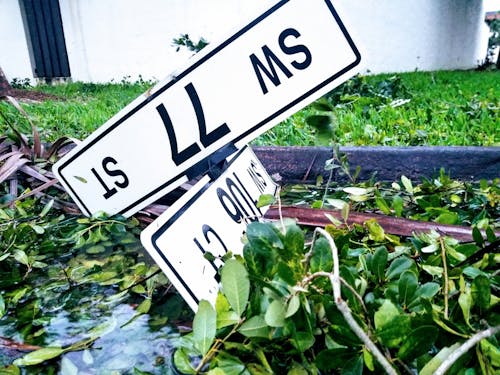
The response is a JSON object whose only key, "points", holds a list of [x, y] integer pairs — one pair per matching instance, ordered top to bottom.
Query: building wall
{"points": [[112, 39], [14, 55]]}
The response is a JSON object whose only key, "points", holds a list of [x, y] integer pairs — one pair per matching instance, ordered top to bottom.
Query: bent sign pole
{"points": [[232, 92]]}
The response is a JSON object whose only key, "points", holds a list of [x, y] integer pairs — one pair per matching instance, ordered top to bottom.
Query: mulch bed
{"points": [[28, 95]]}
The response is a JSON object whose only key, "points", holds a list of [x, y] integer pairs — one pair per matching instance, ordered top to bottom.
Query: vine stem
{"points": [[445, 277], [346, 312], [215, 347], [464, 348]]}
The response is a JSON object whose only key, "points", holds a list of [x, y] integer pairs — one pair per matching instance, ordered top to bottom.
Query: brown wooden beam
{"points": [[393, 225]]}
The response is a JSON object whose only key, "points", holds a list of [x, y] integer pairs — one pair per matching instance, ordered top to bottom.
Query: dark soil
{"points": [[28, 95]]}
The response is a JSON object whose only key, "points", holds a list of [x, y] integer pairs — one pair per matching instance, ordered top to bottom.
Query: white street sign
{"points": [[232, 92], [209, 218]]}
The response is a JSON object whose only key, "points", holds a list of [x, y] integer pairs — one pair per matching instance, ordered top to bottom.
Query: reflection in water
{"points": [[120, 349]]}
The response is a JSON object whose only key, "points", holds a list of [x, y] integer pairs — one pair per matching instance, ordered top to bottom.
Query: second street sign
{"points": [[232, 92], [190, 240]]}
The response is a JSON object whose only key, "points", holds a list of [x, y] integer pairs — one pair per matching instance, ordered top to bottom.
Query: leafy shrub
{"points": [[278, 311]]}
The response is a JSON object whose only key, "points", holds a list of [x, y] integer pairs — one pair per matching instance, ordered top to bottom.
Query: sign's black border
{"points": [[196, 65]]}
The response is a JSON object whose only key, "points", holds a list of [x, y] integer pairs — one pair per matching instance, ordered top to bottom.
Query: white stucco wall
{"points": [[419, 35], [111, 39], [137, 39], [14, 55]]}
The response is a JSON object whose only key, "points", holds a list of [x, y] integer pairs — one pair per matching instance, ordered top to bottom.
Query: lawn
{"points": [[420, 108]]}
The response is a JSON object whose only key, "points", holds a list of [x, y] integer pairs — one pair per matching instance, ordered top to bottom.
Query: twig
{"points": [[37, 190], [445, 277], [355, 293], [346, 312], [215, 347], [464, 348]]}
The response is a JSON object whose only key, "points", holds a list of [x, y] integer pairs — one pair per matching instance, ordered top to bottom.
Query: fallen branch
{"points": [[392, 225], [346, 312], [8, 343], [464, 348]]}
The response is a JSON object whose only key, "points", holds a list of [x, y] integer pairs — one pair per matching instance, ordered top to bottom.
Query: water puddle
{"points": [[106, 303]]}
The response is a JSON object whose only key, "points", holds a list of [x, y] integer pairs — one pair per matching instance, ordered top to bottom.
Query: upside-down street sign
{"points": [[230, 93]]}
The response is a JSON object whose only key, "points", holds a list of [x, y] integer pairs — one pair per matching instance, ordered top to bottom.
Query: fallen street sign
{"points": [[232, 92], [189, 239]]}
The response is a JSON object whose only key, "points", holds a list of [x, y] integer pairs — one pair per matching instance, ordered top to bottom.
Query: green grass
{"points": [[443, 108], [80, 109]]}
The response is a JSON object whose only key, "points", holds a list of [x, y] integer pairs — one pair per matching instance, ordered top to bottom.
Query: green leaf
{"points": [[322, 105], [323, 126], [81, 179], [407, 184], [353, 190], [266, 200], [382, 205], [398, 205], [447, 218], [37, 229], [375, 231], [490, 234], [477, 236], [263, 237], [294, 240], [431, 248], [96, 249], [21, 257], [321, 259], [379, 262], [398, 266], [433, 270], [286, 273], [235, 285], [407, 287], [428, 290], [481, 291], [20, 293], [465, 301], [221, 304], [2, 306], [293, 306], [144, 307], [275, 314], [385, 314], [227, 318], [204, 326], [256, 326], [104, 328], [394, 331], [303, 341], [418, 342], [491, 351], [38, 356], [332, 359], [368, 359], [182, 363], [228, 364], [431, 366], [354, 367], [10, 370], [297, 370], [218, 371]]}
